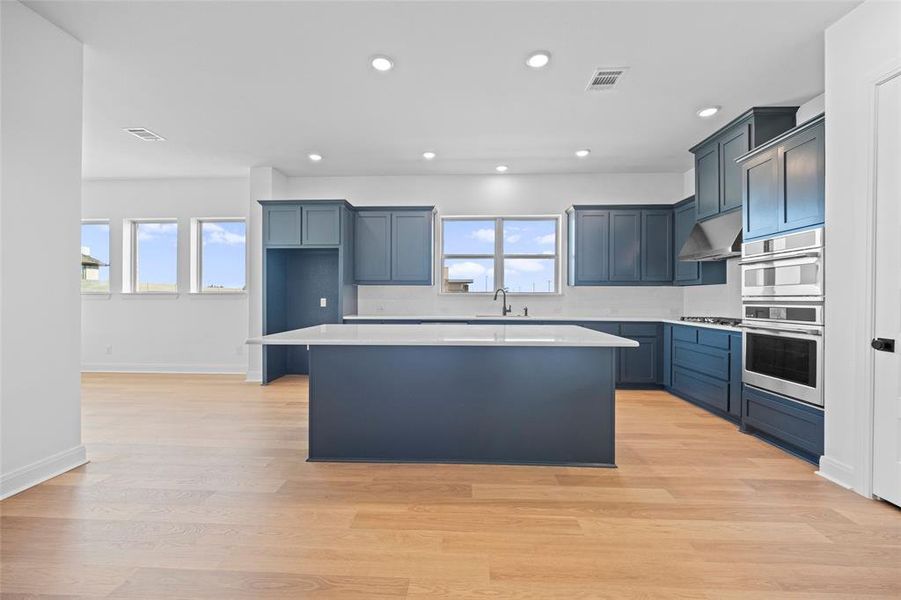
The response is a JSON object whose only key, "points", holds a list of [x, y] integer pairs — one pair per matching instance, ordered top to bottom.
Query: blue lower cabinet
{"points": [[667, 355], [709, 361], [640, 366], [703, 366], [735, 375], [701, 389], [789, 424]]}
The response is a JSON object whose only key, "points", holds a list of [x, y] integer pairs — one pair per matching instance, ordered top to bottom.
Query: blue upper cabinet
{"points": [[734, 143], [760, 177], [802, 179], [718, 180], [707, 181], [783, 182], [683, 222], [281, 224], [292, 224], [321, 225], [591, 234], [621, 245], [625, 245], [657, 245], [393, 246], [372, 247], [411, 247]]}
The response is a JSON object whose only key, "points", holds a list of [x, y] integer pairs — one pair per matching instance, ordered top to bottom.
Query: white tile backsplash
{"points": [[716, 300], [663, 302]]}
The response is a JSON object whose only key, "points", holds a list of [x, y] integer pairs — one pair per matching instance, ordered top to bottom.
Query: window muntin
{"points": [[519, 254], [155, 256], [95, 257], [221, 261]]}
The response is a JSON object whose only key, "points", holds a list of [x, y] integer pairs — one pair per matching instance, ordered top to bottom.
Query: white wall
{"points": [[860, 48], [810, 109], [40, 145], [265, 183], [506, 194], [183, 333]]}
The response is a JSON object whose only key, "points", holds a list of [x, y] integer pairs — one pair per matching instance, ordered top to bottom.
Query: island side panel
{"points": [[506, 405]]}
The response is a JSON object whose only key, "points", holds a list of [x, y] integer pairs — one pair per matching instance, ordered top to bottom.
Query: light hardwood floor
{"points": [[197, 488]]}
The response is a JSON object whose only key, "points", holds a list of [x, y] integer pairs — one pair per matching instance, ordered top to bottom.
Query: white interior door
{"points": [[887, 360]]}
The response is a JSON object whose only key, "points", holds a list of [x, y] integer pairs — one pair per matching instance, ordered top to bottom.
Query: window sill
{"points": [[240, 294], [96, 295], [160, 295]]}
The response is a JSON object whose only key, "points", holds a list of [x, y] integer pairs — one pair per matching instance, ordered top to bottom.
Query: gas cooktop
{"points": [[713, 320]]}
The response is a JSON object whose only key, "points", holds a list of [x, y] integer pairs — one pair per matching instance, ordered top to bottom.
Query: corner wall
{"points": [[860, 48], [40, 198], [187, 333]]}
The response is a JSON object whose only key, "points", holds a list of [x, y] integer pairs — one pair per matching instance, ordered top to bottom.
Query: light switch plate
{"points": [[322, 303]]}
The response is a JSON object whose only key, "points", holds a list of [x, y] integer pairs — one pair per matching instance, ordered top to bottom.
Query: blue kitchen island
{"points": [[454, 393]]}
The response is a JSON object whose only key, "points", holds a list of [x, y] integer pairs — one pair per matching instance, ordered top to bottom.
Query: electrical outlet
{"points": [[322, 303], [109, 349]]}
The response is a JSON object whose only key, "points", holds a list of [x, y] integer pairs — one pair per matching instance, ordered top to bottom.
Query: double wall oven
{"points": [[782, 315]]}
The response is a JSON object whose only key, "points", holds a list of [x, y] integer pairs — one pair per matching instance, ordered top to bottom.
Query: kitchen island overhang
{"points": [[444, 393]]}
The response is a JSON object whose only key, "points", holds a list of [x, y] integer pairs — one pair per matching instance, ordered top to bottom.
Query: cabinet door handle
{"points": [[883, 344]]}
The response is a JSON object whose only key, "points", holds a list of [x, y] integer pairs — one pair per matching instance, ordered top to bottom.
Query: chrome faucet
{"points": [[505, 308]]}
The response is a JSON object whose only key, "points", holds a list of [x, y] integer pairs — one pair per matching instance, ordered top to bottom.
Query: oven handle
{"points": [[778, 257], [781, 330]]}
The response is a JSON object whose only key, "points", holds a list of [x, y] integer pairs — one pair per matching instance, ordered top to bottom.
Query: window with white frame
{"points": [[482, 254], [218, 255], [150, 256], [95, 257]]}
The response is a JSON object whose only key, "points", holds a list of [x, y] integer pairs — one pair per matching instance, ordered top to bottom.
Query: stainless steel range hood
{"points": [[714, 239]]}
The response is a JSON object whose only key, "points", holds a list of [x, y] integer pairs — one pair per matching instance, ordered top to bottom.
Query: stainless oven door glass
{"points": [[795, 276], [785, 361]]}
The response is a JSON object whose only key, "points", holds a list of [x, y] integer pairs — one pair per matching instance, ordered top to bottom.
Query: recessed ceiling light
{"points": [[539, 59], [382, 63], [708, 112], [583, 153], [429, 155], [315, 157], [501, 168]]}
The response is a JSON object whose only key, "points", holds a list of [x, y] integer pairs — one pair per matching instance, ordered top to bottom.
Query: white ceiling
{"points": [[233, 85]]}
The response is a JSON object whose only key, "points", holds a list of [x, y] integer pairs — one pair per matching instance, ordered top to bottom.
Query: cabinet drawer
{"points": [[638, 329], [685, 334], [716, 339], [710, 361], [701, 388], [798, 425]]}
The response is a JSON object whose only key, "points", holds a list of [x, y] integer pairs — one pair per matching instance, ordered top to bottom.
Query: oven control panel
{"points": [[795, 314]]}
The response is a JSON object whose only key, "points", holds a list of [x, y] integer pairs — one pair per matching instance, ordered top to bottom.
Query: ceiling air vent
{"points": [[605, 79], [145, 134]]}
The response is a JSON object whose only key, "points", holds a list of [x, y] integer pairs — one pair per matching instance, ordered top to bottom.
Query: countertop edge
{"points": [[519, 319]]}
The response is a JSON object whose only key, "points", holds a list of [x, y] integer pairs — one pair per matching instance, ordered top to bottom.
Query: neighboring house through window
{"points": [[95, 257]]}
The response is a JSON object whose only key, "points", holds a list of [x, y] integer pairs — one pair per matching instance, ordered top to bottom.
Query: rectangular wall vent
{"points": [[605, 79], [145, 134]]}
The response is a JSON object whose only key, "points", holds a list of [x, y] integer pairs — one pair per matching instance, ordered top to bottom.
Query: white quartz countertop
{"points": [[520, 319], [445, 334]]}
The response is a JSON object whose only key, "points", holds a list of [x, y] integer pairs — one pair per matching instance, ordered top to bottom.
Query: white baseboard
{"points": [[163, 368], [255, 376], [40, 471], [837, 472]]}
